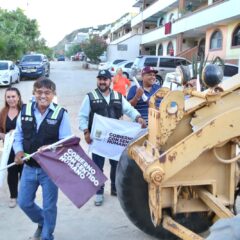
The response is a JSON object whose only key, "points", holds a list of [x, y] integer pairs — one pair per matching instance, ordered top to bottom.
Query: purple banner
{"points": [[72, 171]]}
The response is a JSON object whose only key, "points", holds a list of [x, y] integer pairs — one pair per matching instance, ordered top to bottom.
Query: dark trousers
{"points": [[99, 161], [14, 174]]}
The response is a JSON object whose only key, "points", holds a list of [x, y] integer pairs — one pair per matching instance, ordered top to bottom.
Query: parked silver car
{"points": [[163, 64], [126, 68], [9, 73]]}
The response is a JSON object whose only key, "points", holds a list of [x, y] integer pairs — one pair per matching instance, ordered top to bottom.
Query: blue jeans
{"points": [[99, 161], [32, 178]]}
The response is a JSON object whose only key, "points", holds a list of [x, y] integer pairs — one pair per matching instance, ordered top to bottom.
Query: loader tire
{"points": [[132, 192]]}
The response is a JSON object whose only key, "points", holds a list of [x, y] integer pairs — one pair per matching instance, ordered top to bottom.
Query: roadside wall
{"points": [[129, 51]]}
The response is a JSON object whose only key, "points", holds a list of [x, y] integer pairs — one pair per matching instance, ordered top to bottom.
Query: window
{"points": [[189, 7], [171, 17], [160, 22], [236, 37], [216, 40], [122, 47], [170, 48], [201, 48], [160, 50], [32, 58], [118, 61], [151, 62], [167, 62], [183, 62], [129, 65], [3, 66], [230, 70]]}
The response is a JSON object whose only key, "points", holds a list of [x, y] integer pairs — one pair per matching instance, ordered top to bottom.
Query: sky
{"points": [[57, 18]]}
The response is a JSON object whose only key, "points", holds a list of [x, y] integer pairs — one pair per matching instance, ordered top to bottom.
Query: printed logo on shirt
{"points": [[116, 101], [29, 119]]}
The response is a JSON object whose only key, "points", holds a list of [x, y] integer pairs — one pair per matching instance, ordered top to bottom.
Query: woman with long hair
{"points": [[8, 118]]}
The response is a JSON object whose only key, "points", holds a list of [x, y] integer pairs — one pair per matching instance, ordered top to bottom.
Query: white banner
{"points": [[111, 136], [8, 141]]}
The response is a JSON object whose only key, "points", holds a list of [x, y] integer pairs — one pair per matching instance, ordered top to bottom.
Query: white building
{"points": [[178, 27], [80, 37], [124, 42]]}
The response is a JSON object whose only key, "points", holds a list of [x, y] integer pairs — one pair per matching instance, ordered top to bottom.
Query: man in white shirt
{"points": [[105, 102]]}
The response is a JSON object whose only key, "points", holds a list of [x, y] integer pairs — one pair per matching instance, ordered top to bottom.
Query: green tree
{"points": [[19, 35], [41, 47], [94, 48], [73, 50]]}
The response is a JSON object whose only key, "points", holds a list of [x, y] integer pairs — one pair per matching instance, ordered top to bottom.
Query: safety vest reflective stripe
{"points": [[95, 95], [116, 95], [29, 109], [56, 112], [54, 115]]}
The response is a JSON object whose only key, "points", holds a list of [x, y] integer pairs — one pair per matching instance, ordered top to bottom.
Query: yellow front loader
{"points": [[183, 174]]}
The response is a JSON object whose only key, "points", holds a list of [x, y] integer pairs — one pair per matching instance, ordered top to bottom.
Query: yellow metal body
{"points": [[188, 157], [179, 230]]}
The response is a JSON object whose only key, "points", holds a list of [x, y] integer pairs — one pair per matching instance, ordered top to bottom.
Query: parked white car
{"points": [[104, 65], [113, 65], [9, 73]]}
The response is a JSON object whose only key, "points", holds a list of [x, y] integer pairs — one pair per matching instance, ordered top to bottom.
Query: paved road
{"points": [[89, 222]]}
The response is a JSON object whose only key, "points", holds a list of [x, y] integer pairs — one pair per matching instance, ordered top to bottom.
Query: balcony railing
{"points": [[156, 7], [197, 20]]}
